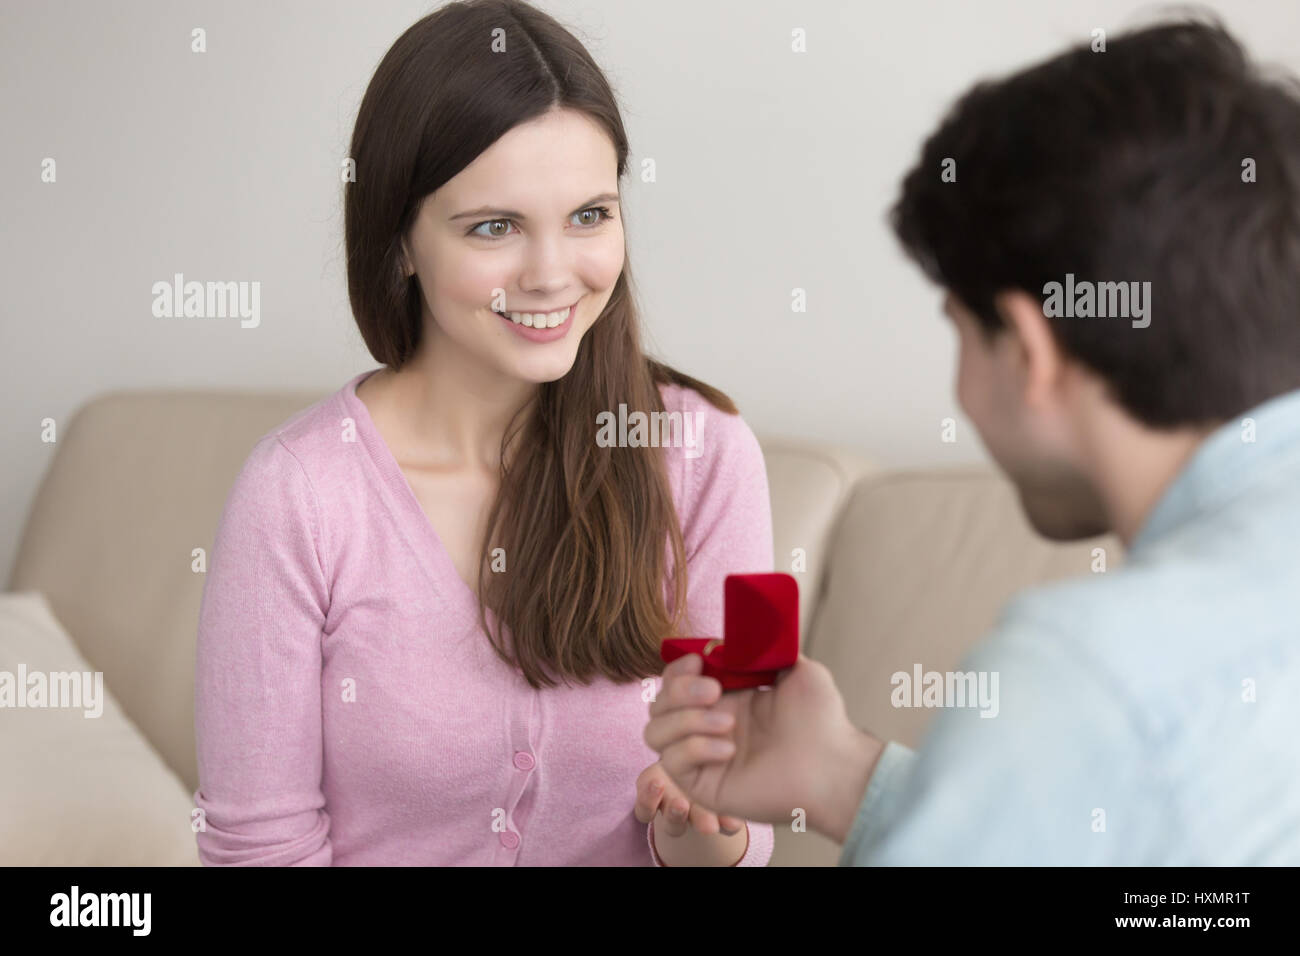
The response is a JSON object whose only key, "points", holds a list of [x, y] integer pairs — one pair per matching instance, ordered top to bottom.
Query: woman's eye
{"points": [[597, 214], [604, 216], [491, 233]]}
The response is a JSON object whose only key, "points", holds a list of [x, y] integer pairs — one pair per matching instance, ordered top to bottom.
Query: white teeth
{"points": [[538, 320]]}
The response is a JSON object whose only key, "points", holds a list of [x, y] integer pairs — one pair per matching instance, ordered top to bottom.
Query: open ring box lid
{"points": [[760, 632]]}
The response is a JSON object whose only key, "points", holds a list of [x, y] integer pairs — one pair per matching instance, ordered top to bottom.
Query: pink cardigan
{"points": [[349, 711]]}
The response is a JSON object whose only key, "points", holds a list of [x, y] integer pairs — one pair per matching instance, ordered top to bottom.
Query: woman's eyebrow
{"points": [[484, 211]]}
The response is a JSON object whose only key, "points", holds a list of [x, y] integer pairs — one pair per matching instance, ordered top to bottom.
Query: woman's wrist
{"points": [[694, 848]]}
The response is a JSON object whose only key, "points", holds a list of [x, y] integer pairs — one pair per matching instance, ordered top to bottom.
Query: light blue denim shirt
{"points": [[1148, 715]]}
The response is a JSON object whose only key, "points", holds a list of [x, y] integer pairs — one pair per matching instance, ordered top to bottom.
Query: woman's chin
{"points": [[540, 369]]}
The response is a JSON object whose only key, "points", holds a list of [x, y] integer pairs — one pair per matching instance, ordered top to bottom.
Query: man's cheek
{"points": [[966, 386]]}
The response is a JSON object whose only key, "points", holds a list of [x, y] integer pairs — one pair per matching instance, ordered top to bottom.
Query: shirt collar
{"points": [[1226, 463]]}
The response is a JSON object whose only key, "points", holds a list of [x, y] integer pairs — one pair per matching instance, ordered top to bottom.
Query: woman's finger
{"points": [[649, 795], [675, 817], [704, 821], [730, 825]]}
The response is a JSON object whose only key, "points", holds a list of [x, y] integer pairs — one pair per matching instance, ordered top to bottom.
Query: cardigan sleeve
{"points": [[726, 529], [257, 694]]}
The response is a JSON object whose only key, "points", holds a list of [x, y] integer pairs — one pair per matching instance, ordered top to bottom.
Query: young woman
{"points": [[431, 625]]}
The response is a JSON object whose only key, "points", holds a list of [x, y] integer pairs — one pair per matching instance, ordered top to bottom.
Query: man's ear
{"points": [[1041, 356]]}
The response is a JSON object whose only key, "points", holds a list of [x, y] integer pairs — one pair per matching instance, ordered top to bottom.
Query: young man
{"points": [[1118, 237]]}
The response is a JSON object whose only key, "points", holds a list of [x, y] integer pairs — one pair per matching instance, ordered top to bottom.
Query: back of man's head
{"points": [[1169, 159]]}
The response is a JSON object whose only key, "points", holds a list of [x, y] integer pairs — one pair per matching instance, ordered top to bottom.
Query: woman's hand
{"points": [[656, 791], [657, 794]]}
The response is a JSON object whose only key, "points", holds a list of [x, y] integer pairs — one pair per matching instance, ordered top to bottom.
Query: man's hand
{"points": [[790, 748]]}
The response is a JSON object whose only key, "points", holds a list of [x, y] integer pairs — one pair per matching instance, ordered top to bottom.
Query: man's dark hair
{"points": [[1129, 165]]}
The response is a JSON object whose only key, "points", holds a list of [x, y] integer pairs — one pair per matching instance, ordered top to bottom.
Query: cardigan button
{"points": [[524, 760], [509, 840]]}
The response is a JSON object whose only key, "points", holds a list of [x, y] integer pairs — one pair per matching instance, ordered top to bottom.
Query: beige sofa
{"points": [[903, 567]]}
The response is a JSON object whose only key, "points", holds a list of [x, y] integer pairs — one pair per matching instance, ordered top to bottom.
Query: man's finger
{"points": [[686, 664], [685, 690], [670, 727], [684, 759]]}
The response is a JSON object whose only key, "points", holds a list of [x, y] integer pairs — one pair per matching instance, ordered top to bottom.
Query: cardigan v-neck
{"points": [[421, 534]]}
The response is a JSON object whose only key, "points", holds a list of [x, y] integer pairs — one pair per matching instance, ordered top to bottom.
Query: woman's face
{"points": [[520, 230]]}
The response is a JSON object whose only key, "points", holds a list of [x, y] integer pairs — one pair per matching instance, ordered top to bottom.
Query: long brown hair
{"points": [[590, 533]]}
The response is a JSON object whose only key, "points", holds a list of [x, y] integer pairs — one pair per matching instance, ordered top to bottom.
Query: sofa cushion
{"points": [[808, 484], [135, 489], [81, 786]]}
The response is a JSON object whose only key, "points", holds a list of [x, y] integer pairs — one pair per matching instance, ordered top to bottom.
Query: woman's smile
{"points": [[540, 326]]}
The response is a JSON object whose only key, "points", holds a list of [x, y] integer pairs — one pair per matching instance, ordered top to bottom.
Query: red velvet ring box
{"points": [[760, 632]]}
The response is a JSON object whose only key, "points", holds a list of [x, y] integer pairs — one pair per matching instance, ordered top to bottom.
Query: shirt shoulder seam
{"points": [[317, 522]]}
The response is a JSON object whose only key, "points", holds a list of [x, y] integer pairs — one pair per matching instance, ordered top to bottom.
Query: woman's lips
{"points": [[549, 334]]}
